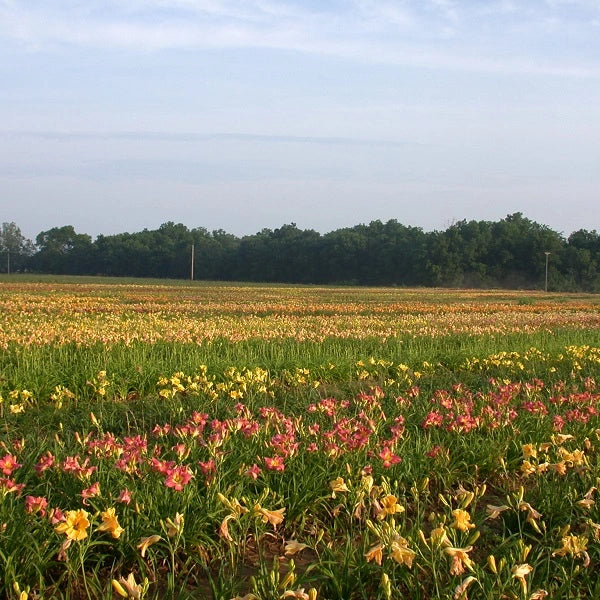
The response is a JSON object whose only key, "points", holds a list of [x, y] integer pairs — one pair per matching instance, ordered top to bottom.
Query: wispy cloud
{"points": [[500, 36], [160, 136]]}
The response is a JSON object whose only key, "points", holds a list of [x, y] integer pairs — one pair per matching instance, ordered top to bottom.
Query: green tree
{"points": [[14, 246], [62, 251], [582, 261]]}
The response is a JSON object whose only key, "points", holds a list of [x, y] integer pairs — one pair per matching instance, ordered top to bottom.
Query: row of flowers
{"points": [[42, 315]]}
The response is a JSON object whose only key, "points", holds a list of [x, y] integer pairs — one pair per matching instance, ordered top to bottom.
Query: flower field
{"points": [[256, 442]]}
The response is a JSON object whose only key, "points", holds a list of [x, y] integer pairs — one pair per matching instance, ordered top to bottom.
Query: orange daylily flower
{"points": [[275, 517], [375, 553]]}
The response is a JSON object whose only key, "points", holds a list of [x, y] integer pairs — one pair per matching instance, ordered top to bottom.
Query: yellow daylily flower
{"points": [[338, 486], [388, 506], [462, 520], [110, 523], [75, 524], [401, 553]]}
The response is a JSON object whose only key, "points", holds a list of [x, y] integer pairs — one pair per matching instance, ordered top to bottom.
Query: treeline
{"points": [[508, 253]]}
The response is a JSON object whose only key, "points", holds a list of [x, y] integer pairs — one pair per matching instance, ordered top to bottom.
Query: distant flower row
{"points": [[40, 315]]}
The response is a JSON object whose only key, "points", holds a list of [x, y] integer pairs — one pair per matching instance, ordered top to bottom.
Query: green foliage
{"points": [[509, 253]]}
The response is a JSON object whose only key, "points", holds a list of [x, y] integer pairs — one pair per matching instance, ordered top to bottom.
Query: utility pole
{"points": [[8, 261], [192, 266], [546, 284]]}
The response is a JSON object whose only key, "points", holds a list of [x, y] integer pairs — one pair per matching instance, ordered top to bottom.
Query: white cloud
{"points": [[500, 37]]}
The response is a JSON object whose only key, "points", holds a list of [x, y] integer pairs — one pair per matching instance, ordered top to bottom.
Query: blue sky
{"points": [[118, 115]]}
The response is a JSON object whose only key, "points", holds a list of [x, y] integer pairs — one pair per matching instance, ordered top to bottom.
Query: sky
{"points": [[120, 115]]}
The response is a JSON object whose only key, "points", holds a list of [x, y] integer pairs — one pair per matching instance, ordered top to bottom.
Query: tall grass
{"points": [[137, 366]]}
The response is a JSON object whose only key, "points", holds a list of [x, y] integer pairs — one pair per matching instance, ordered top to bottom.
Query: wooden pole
{"points": [[192, 267]]}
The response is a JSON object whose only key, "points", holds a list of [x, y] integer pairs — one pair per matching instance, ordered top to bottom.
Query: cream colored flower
{"points": [[493, 512], [146, 542], [293, 547], [401, 553], [460, 559], [520, 572], [460, 591]]}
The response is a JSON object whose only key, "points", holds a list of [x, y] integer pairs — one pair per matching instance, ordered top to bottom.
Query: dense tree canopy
{"points": [[14, 247], [507, 253]]}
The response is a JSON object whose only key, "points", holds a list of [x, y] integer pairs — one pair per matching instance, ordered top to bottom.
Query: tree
{"points": [[16, 247], [62, 251]]}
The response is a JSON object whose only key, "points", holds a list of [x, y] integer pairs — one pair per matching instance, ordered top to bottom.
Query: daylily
{"points": [[388, 457], [8, 463], [274, 463], [254, 471], [178, 477], [337, 486], [91, 492], [124, 496], [586, 503], [36, 504], [388, 506], [237, 510], [493, 512], [532, 515], [275, 517], [462, 520], [110, 523], [75, 524], [175, 525], [439, 536], [146, 542], [575, 545], [293, 547], [375, 553], [401, 553], [460, 559], [520, 572], [128, 588], [460, 591], [300, 594]]}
